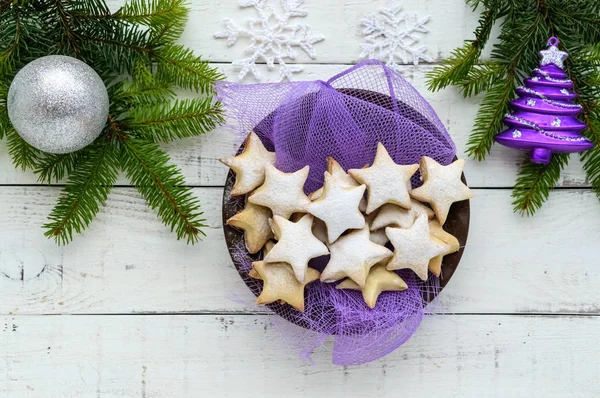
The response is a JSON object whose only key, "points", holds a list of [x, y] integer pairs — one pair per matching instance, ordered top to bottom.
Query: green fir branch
{"points": [[155, 13], [525, 27], [11, 39], [69, 39], [134, 51], [180, 66], [458, 66], [481, 78], [141, 89], [129, 95], [489, 118], [181, 119], [5, 124], [24, 155], [591, 165], [54, 167], [535, 182], [162, 184], [87, 188]]}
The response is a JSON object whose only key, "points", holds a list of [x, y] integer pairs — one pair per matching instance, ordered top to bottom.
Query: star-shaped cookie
{"points": [[249, 166], [343, 178], [386, 181], [442, 186], [283, 193], [338, 207], [390, 214], [254, 221], [436, 230], [379, 237], [296, 244], [414, 247], [352, 256], [379, 280], [280, 283]]}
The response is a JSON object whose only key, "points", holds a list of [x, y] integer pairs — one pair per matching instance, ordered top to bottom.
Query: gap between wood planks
{"points": [[222, 187], [262, 313]]}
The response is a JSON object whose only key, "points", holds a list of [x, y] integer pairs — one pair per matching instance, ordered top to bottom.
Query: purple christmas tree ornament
{"points": [[544, 120]]}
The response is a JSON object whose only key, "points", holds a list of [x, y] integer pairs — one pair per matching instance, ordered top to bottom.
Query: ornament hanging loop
{"points": [[553, 41]]}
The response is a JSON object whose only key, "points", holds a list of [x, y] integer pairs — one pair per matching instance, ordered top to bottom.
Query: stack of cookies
{"points": [[368, 221]]}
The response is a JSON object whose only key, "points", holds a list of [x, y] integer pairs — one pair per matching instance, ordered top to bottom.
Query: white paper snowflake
{"points": [[391, 35], [273, 37]]}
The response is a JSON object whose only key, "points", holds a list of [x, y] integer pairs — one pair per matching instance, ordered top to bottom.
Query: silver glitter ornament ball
{"points": [[58, 104]]}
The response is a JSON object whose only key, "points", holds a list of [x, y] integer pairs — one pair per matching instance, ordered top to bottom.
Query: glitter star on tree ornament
{"points": [[553, 56]]}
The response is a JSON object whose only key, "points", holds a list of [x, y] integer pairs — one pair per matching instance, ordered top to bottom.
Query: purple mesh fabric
{"points": [[345, 117]]}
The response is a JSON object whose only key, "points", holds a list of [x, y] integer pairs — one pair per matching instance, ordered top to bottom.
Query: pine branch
{"points": [[156, 13], [11, 39], [119, 41], [69, 42], [134, 52], [180, 66], [456, 68], [585, 74], [481, 78], [141, 89], [129, 95], [489, 118], [182, 119], [5, 124], [24, 155], [591, 159], [146, 165], [54, 167], [535, 182], [87, 188]]}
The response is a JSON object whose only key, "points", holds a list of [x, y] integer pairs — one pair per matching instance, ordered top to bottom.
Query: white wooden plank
{"points": [[198, 157], [128, 262], [203, 356]]}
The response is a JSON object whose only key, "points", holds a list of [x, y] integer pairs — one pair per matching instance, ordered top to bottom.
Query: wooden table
{"points": [[127, 311]]}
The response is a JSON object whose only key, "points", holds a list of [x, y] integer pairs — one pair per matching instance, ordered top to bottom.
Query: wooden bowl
{"points": [[457, 223]]}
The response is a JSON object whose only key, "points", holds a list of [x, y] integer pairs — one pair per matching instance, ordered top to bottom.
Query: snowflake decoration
{"points": [[391, 34], [273, 38], [564, 91], [531, 102], [556, 122], [517, 134]]}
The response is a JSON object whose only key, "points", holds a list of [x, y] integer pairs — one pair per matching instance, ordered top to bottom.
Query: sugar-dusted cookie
{"points": [[249, 166], [343, 178], [386, 181], [442, 186], [283, 193], [338, 207], [393, 215], [254, 221], [319, 230], [436, 230], [379, 237], [296, 244], [268, 246], [414, 247], [352, 256], [379, 280], [280, 283]]}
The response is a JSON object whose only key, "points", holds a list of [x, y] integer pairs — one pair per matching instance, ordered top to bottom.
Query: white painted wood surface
{"points": [[127, 311], [242, 356]]}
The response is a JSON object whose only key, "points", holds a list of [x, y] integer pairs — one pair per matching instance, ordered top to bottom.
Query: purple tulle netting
{"points": [[344, 117]]}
